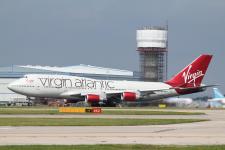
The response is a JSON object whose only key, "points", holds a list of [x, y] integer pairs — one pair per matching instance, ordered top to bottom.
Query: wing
{"points": [[117, 94]]}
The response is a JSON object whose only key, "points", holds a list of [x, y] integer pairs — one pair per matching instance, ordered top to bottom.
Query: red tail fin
{"points": [[192, 75]]}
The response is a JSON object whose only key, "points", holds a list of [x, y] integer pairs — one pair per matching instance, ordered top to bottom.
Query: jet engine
{"points": [[130, 96], [95, 97], [92, 98]]}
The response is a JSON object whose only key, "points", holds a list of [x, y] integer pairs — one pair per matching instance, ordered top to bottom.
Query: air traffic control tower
{"points": [[152, 47]]}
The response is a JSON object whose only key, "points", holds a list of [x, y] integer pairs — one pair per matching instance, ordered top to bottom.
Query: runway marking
{"points": [[5, 128], [164, 130]]}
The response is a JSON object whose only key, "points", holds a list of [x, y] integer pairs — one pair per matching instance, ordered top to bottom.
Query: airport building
{"points": [[152, 46], [11, 73]]}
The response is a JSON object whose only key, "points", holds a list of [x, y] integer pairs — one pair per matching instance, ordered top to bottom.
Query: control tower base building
{"points": [[153, 53]]}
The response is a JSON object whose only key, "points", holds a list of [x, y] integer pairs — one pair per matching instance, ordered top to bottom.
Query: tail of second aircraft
{"points": [[192, 75], [217, 93]]}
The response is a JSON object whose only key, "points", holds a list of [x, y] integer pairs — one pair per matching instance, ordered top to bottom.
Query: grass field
{"points": [[46, 110], [89, 121], [110, 147]]}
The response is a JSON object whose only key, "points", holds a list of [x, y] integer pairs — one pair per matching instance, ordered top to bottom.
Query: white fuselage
{"points": [[62, 86], [175, 100], [220, 100]]}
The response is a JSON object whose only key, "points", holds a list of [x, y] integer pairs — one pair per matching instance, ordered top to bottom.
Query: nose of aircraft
{"points": [[12, 86]]}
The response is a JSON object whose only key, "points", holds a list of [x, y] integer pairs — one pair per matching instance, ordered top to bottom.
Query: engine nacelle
{"points": [[130, 96], [92, 98]]}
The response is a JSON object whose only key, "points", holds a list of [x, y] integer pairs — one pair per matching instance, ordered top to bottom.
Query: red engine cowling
{"points": [[129, 96], [92, 98]]}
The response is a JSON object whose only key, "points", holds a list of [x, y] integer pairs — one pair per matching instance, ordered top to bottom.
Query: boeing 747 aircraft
{"points": [[92, 90]]}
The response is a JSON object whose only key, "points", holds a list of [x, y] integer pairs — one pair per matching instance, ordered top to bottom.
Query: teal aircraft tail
{"points": [[217, 93]]}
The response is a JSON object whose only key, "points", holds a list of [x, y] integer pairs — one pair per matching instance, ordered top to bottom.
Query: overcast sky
{"points": [[103, 32]]}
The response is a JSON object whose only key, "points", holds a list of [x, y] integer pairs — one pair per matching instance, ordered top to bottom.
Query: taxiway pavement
{"points": [[199, 133]]}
